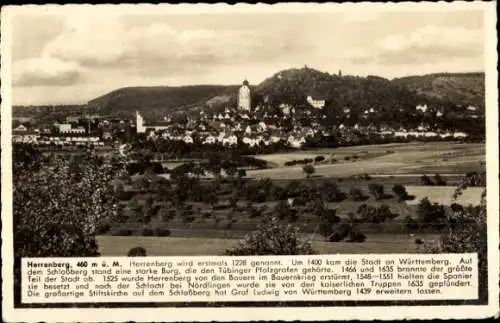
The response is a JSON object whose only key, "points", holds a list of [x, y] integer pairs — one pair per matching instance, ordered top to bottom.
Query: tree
{"points": [[308, 170], [426, 180], [439, 180], [376, 190], [400, 191], [355, 194], [57, 210], [431, 215], [468, 234], [272, 238], [137, 252]]}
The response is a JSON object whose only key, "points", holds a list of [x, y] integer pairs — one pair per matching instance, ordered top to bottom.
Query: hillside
{"points": [[294, 85], [462, 88], [356, 93], [156, 101]]}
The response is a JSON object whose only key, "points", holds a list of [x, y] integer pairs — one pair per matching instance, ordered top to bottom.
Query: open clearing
{"points": [[444, 195], [170, 246]]}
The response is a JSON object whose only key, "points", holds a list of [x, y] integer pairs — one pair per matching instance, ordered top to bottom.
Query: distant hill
{"points": [[293, 86], [460, 88], [356, 93], [156, 101]]}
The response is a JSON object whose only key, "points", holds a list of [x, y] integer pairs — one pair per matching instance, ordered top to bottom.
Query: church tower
{"points": [[244, 98], [139, 123]]}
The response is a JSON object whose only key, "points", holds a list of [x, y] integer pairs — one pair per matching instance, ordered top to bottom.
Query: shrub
{"points": [[319, 159], [308, 170], [426, 180], [439, 180], [376, 190], [400, 191], [355, 194], [125, 195], [455, 207], [430, 215], [410, 224], [102, 228], [123, 232], [147, 232], [161, 232], [340, 232], [356, 236], [272, 238], [419, 241], [137, 252]]}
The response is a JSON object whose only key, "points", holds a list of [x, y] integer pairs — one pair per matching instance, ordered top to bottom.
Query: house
{"points": [[317, 104], [422, 108], [471, 108], [347, 110], [439, 114], [63, 127], [262, 127], [21, 129], [460, 135], [188, 139], [210, 139], [230, 140], [296, 141]]}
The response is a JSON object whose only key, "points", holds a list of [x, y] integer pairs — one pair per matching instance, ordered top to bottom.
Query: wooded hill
{"points": [[443, 91]]}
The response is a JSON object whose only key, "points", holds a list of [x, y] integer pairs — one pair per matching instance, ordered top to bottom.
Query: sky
{"points": [[70, 58]]}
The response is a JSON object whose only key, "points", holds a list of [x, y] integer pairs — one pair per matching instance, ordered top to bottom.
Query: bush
{"points": [[319, 159], [308, 170], [426, 180], [439, 180], [376, 190], [400, 191], [355, 194], [125, 195], [432, 216], [410, 224], [102, 228], [123, 232], [146, 232], [161, 232], [340, 232], [356, 236], [272, 238], [419, 241], [137, 252]]}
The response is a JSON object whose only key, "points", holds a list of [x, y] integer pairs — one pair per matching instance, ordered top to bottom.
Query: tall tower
{"points": [[244, 98], [139, 123]]}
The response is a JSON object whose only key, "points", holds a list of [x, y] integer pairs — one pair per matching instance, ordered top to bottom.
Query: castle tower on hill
{"points": [[244, 97]]}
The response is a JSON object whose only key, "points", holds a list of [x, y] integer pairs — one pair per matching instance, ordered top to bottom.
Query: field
{"points": [[383, 160], [212, 229], [175, 246]]}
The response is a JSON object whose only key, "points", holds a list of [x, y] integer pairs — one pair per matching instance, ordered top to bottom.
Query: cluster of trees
{"points": [[305, 161], [427, 181], [59, 203]]}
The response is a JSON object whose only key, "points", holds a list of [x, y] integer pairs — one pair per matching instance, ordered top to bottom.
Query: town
{"points": [[282, 127]]}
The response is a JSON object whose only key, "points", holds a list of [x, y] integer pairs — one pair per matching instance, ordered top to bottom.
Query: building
{"points": [[244, 97], [318, 104], [141, 126]]}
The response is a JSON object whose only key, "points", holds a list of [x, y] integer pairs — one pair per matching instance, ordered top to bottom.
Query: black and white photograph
{"points": [[250, 131]]}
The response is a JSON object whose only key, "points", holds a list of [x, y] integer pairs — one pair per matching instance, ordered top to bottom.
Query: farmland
{"points": [[384, 160], [217, 212]]}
